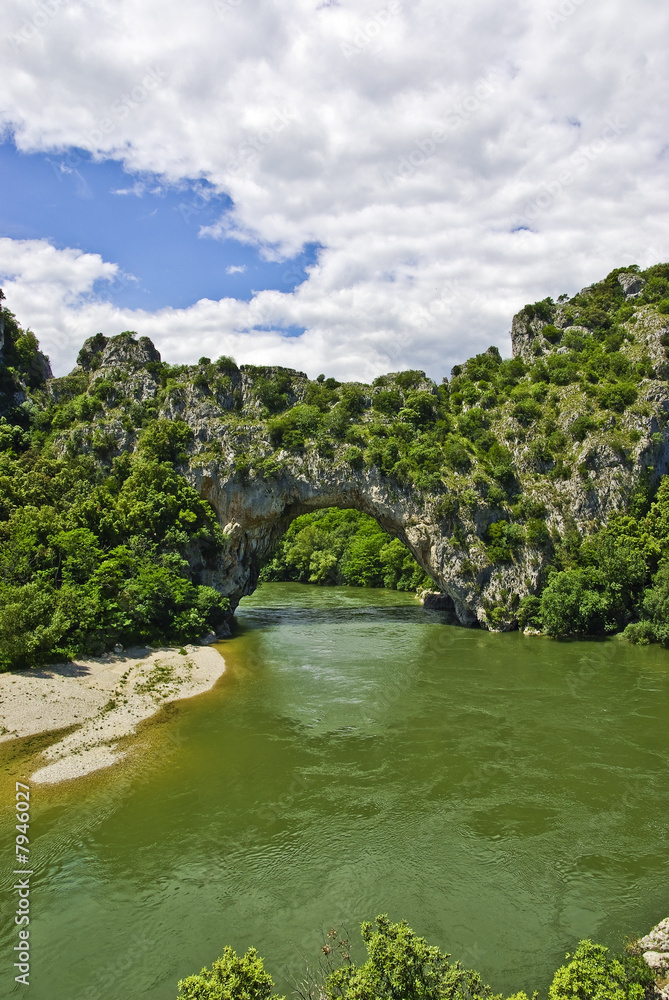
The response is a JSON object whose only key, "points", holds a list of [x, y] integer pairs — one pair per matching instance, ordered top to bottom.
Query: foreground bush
{"points": [[400, 965], [592, 975], [230, 978]]}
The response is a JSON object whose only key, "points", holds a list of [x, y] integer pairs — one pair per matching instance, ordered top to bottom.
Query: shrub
{"points": [[655, 289], [540, 310], [552, 333], [574, 340], [561, 370], [409, 379], [273, 391], [320, 395], [617, 396], [352, 400], [387, 401], [418, 409], [526, 411], [473, 423], [581, 427], [291, 429], [166, 440], [539, 453], [384, 454], [354, 457], [457, 457], [500, 462], [495, 495], [447, 507], [538, 535], [502, 540], [574, 603], [529, 613], [643, 632], [401, 964], [592, 975], [230, 978]]}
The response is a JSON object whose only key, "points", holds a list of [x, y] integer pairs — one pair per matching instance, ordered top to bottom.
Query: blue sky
{"points": [[395, 179], [152, 234]]}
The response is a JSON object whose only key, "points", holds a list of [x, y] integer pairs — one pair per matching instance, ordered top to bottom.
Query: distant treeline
{"points": [[344, 547]]}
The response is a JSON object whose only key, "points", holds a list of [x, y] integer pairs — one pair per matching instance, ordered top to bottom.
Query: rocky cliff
{"points": [[480, 476]]}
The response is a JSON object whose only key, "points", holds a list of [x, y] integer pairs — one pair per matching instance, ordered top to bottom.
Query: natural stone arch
{"points": [[227, 416], [255, 514]]}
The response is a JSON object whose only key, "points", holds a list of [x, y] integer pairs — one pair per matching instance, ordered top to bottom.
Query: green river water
{"points": [[507, 796]]}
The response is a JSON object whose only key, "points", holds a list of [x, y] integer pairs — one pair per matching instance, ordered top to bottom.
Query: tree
{"points": [[574, 603], [402, 965], [591, 975], [230, 978]]}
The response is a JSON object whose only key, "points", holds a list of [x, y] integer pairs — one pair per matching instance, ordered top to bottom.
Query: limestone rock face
{"points": [[631, 283], [107, 352], [258, 481], [434, 600], [657, 940], [655, 949]]}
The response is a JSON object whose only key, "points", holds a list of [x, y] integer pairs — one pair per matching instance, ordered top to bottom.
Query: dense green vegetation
{"points": [[473, 444], [104, 541], [343, 547], [92, 556], [89, 560], [619, 575], [400, 965]]}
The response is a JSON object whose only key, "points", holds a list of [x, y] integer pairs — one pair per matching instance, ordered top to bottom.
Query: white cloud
{"points": [[452, 161], [236, 269]]}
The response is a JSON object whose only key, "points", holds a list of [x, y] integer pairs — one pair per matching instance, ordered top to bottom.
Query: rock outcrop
{"points": [[631, 283], [246, 443], [655, 950]]}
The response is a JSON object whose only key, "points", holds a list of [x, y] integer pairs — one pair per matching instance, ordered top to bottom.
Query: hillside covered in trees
{"points": [[531, 488]]}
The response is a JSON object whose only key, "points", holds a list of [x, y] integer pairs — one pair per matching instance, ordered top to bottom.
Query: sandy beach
{"points": [[105, 698]]}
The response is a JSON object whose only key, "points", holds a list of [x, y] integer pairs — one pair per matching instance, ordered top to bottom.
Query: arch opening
{"points": [[342, 546]]}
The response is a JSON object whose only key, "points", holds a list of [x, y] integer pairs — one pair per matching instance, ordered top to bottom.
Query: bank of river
{"points": [[97, 703], [507, 796]]}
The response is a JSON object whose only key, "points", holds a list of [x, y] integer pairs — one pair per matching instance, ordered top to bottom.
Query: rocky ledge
{"points": [[655, 949]]}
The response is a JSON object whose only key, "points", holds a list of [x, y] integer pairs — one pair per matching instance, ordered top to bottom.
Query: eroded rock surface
{"points": [[258, 481], [655, 948]]}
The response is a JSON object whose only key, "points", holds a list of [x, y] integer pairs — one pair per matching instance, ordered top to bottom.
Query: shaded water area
{"points": [[507, 796]]}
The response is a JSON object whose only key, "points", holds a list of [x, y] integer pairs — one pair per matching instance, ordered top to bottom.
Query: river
{"points": [[506, 795]]}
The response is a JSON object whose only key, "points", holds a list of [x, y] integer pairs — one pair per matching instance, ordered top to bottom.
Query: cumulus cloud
{"points": [[451, 161], [236, 269]]}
